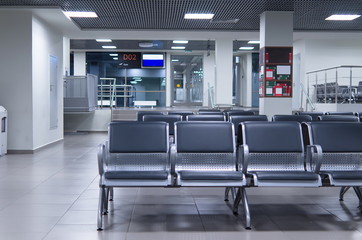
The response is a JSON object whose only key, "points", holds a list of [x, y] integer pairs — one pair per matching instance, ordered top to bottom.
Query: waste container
{"points": [[3, 131]]}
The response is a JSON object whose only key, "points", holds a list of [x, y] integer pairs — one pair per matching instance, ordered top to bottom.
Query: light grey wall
{"points": [[45, 43], [16, 77]]}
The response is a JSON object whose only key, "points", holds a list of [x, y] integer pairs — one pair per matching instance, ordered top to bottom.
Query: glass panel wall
{"points": [[120, 87]]}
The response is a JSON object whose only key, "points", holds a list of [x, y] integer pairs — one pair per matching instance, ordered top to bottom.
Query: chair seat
{"points": [[136, 175], [211, 175], [287, 175], [347, 175]]}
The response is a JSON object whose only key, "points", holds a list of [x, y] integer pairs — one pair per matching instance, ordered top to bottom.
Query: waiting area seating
{"points": [[205, 154]]}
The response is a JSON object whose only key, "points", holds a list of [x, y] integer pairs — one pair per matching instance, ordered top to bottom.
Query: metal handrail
{"points": [[308, 99]]}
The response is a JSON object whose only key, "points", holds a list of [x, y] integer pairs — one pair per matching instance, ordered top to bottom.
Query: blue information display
{"points": [[153, 60]]}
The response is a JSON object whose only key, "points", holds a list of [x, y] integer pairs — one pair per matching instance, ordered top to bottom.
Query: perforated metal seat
{"points": [[273, 152], [136, 154]]}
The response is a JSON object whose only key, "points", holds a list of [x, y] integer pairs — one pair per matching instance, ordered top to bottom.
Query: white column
{"points": [[276, 30], [66, 56], [79, 64], [224, 71], [209, 77], [168, 81]]}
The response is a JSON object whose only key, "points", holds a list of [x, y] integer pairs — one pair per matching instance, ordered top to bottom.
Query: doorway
{"points": [[187, 80]]}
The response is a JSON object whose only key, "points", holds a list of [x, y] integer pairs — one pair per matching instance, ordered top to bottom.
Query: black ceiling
{"points": [[169, 14]]}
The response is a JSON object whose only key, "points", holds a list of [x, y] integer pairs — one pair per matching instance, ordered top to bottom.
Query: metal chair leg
{"points": [[227, 190], [342, 192], [358, 192], [233, 193], [111, 194], [237, 202], [246, 208], [100, 209]]}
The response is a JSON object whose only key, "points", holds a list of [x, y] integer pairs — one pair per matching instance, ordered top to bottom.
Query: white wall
{"points": [[46, 42], [80, 64], [224, 71], [16, 77]]}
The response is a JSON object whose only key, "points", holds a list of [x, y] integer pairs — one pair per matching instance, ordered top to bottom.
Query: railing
{"points": [[341, 84], [309, 101]]}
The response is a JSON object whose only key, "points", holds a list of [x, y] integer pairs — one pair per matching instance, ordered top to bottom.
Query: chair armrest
{"points": [[314, 155], [243, 158], [101, 159], [173, 159]]}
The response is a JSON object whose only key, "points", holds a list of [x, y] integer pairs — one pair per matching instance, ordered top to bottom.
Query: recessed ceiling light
{"points": [[80, 14], [199, 15], [341, 17], [103, 40], [180, 41], [254, 42], [109, 47], [178, 47], [246, 48], [113, 54], [115, 58], [175, 60]]}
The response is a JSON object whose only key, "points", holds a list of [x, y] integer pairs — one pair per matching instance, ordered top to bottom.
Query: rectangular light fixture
{"points": [[76, 14], [199, 16], [341, 17], [104, 40], [180, 41], [254, 42], [109, 47], [178, 47], [246, 48], [113, 54], [115, 58], [175, 60]]}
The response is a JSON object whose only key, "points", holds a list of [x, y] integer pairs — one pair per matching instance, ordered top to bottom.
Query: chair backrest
{"points": [[209, 110], [211, 113], [339, 113], [140, 114], [183, 114], [314, 115], [206, 117], [293, 118], [338, 118], [170, 119], [237, 119], [341, 144], [138, 146], [205, 146], [274, 146]]}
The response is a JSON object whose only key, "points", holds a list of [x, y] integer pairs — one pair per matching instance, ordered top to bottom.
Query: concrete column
{"points": [[276, 30], [79, 64], [224, 71], [209, 77]]}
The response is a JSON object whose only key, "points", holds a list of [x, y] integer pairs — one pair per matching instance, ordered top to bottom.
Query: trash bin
{"points": [[3, 131]]}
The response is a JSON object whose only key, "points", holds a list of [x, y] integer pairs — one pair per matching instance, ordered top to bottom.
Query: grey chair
{"points": [[209, 110], [182, 113], [211, 113], [340, 113], [140, 114], [314, 115], [205, 117], [293, 118], [338, 118], [170, 119], [236, 120], [336, 152], [272, 153], [136, 154], [204, 154]]}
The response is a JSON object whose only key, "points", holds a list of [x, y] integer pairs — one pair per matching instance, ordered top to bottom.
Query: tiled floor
{"points": [[53, 194]]}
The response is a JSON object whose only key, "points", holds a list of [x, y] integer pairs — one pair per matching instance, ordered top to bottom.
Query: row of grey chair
{"points": [[217, 114], [205, 155]]}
